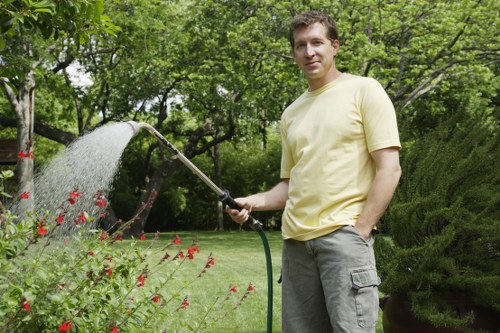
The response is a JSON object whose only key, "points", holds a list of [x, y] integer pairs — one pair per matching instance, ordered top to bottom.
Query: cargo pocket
{"points": [[364, 285]]}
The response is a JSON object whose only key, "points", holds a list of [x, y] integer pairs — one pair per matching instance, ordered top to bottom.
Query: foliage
{"points": [[80, 18], [52, 19], [202, 70], [4, 175], [188, 204], [444, 222], [91, 282]]}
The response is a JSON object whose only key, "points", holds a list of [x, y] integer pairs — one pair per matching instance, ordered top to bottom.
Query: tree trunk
{"points": [[23, 104], [263, 131], [218, 181], [144, 207]]}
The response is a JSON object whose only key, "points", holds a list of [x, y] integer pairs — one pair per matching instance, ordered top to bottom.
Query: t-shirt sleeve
{"points": [[379, 117]]}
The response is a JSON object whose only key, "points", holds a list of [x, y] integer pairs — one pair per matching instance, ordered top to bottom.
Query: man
{"points": [[339, 170]]}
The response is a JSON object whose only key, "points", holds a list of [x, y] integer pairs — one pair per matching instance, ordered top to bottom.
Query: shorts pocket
{"points": [[365, 283]]}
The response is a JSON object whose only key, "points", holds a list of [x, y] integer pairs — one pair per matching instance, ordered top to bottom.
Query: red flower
{"points": [[21, 154], [31, 155], [25, 195], [73, 195], [101, 202], [102, 215], [60, 218], [81, 218], [41, 231], [104, 235], [119, 237], [142, 237], [177, 239], [191, 252], [91, 253], [181, 255], [210, 262], [109, 271], [141, 280], [251, 287], [233, 289], [155, 298], [184, 304], [26, 306], [65, 326], [114, 329]]}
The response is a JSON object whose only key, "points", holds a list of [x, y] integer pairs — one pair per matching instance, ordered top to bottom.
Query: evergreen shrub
{"points": [[444, 223]]}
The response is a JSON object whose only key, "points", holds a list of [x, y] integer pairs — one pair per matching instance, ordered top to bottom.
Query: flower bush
{"points": [[91, 281]]}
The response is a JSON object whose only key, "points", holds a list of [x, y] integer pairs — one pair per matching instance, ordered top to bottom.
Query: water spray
{"points": [[225, 198]]}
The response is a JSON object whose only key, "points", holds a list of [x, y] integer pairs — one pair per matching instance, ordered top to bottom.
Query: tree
{"points": [[24, 24], [419, 50], [200, 82], [189, 91]]}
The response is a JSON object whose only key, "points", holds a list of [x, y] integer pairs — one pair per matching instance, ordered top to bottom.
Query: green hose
{"points": [[257, 226], [269, 267]]}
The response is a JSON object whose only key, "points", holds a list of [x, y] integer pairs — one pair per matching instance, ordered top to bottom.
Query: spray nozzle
{"points": [[135, 126]]}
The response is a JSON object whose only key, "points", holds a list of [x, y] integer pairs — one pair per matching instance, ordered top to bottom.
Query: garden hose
{"points": [[225, 198], [257, 226]]}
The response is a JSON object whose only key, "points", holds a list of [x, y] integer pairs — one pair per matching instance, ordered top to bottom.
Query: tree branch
{"points": [[428, 84], [11, 95], [46, 131]]}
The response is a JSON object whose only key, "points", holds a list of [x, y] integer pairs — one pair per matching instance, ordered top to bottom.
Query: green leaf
{"points": [[43, 3], [44, 10], [98, 10], [17, 16], [7, 174], [42, 274]]}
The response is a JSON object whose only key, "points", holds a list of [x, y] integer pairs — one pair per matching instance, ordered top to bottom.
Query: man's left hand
{"points": [[363, 231]]}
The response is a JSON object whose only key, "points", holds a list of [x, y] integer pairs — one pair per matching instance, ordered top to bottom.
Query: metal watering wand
{"points": [[225, 198]]}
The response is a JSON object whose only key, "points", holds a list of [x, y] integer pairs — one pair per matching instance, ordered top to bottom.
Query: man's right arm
{"points": [[274, 199]]}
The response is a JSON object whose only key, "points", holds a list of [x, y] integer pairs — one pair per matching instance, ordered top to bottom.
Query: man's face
{"points": [[314, 52]]}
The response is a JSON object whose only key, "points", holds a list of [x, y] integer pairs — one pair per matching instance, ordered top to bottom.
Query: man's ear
{"points": [[336, 46]]}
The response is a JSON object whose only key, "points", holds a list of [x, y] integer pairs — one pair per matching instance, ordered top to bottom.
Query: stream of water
{"points": [[73, 188]]}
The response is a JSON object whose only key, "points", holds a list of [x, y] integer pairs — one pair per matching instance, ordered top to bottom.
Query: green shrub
{"points": [[445, 224]]}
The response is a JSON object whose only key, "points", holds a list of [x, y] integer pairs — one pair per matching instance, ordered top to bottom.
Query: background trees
{"points": [[27, 42], [214, 77]]}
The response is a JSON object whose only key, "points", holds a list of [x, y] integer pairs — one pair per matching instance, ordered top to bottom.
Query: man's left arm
{"points": [[380, 194]]}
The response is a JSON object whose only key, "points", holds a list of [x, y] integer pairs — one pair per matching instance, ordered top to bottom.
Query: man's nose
{"points": [[309, 51]]}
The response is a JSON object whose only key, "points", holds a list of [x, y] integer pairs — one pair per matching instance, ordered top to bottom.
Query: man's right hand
{"points": [[238, 216]]}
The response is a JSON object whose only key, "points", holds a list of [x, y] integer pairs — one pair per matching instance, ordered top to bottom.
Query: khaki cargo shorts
{"points": [[330, 284]]}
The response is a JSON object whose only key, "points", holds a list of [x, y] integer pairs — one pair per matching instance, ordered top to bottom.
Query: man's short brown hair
{"points": [[309, 17]]}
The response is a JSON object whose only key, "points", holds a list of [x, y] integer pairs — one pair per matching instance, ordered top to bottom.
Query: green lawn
{"points": [[239, 260]]}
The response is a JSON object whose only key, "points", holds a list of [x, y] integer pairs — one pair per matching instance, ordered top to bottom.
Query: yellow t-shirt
{"points": [[327, 136]]}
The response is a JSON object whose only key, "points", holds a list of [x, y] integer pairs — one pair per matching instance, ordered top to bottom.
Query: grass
{"points": [[239, 260]]}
